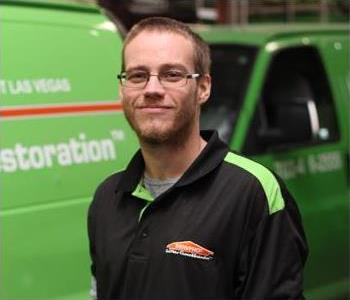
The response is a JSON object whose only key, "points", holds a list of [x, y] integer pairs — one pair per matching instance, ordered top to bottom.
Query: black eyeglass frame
{"points": [[122, 79]]}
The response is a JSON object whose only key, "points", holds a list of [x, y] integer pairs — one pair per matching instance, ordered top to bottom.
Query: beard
{"points": [[173, 131]]}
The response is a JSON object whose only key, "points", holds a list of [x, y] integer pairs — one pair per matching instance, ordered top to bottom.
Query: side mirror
{"points": [[294, 122]]}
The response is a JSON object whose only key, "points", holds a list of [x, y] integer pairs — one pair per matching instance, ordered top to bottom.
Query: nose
{"points": [[154, 86]]}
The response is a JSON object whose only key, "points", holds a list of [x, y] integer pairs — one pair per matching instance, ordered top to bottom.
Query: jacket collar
{"points": [[210, 157]]}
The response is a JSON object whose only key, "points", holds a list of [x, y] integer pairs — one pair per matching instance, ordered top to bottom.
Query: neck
{"points": [[170, 160]]}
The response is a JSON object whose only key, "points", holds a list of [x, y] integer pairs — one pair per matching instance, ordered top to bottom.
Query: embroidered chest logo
{"points": [[191, 249]]}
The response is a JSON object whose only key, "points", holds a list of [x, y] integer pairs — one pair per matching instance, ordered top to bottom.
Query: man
{"points": [[188, 219]]}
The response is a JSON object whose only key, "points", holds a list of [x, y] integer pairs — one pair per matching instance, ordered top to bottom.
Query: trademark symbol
{"points": [[117, 134]]}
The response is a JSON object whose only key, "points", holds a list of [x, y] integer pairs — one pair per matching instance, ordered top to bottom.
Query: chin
{"points": [[163, 132], [155, 137]]}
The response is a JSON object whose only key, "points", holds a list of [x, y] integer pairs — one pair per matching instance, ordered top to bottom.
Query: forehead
{"points": [[152, 49]]}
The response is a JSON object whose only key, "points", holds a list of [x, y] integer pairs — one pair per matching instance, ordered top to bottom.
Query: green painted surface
{"points": [[86, 6], [260, 34], [68, 69], [83, 145], [50, 165], [44, 251]]}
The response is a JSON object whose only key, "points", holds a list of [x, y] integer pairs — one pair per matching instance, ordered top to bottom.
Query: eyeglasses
{"points": [[168, 79]]}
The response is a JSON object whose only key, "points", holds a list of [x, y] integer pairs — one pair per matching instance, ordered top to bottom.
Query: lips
{"points": [[154, 108]]}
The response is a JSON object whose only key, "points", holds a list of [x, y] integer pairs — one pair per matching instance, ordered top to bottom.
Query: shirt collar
{"points": [[210, 157]]}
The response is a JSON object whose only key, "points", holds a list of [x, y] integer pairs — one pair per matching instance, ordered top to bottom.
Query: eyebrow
{"points": [[173, 66], [162, 67], [137, 68]]}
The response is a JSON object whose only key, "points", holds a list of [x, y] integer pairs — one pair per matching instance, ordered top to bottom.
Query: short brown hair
{"points": [[201, 54]]}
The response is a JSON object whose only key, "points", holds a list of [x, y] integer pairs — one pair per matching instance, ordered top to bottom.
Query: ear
{"points": [[204, 88]]}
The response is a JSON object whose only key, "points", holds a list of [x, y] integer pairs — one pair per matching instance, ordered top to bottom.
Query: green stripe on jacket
{"points": [[266, 178]]}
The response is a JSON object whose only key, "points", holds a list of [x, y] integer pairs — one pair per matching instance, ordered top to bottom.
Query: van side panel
{"points": [[335, 51], [62, 132]]}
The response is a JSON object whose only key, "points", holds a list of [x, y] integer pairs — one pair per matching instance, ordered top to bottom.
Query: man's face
{"points": [[158, 114]]}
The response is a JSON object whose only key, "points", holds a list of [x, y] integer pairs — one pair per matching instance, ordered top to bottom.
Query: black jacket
{"points": [[228, 229]]}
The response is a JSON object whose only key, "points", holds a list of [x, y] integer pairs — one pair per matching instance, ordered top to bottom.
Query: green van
{"points": [[281, 96], [61, 132]]}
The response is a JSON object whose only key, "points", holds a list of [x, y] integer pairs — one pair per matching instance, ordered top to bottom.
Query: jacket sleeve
{"points": [[91, 234], [273, 256]]}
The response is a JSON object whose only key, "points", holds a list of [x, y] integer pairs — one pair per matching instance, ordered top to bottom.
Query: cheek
{"points": [[186, 98], [127, 99], [190, 99], [124, 103], [127, 109]]}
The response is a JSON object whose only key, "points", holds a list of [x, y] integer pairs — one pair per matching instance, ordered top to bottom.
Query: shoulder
{"points": [[267, 181], [110, 183], [106, 189]]}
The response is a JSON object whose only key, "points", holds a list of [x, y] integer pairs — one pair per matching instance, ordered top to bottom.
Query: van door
{"points": [[297, 131]]}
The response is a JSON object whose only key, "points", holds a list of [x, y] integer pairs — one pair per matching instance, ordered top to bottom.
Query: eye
{"points": [[172, 75], [137, 76]]}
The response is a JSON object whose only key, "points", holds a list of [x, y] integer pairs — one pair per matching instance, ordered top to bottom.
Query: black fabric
{"points": [[216, 205]]}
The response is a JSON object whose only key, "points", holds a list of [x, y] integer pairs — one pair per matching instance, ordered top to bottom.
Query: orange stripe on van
{"points": [[59, 109]]}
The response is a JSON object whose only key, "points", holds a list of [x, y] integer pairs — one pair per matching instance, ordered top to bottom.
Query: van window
{"points": [[231, 68], [296, 106]]}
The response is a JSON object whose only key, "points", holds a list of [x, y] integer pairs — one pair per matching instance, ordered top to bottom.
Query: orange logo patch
{"points": [[191, 249]]}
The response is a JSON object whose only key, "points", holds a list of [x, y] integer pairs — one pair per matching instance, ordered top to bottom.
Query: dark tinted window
{"points": [[231, 68], [296, 80]]}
